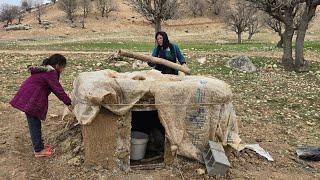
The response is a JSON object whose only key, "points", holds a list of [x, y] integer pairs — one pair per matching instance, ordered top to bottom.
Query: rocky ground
{"points": [[277, 109]]}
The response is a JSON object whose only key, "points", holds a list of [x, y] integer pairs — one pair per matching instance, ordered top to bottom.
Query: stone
{"points": [[46, 23], [18, 27], [219, 41], [202, 60], [121, 63], [241, 63], [99, 64], [139, 65], [53, 115], [311, 123], [76, 150], [76, 161], [200, 171]]}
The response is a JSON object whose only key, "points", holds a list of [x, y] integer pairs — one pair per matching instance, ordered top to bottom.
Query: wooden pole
{"points": [[154, 60]]}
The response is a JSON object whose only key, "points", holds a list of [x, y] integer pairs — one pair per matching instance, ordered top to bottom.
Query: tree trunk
{"points": [[86, 12], [102, 12], [39, 15], [83, 17], [71, 18], [39, 20], [83, 22], [157, 25], [250, 36], [239, 37], [280, 42], [299, 57], [287, 59], [301, 65]]}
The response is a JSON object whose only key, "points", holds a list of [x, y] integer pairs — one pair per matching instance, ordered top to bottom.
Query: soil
{"points": [[280, 139]]}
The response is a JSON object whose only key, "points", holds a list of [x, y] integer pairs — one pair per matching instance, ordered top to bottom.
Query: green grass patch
{"points": [[312, 45], [135, 46], [233, 47]]}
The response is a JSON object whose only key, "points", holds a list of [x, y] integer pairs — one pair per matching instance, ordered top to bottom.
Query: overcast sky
{"points": [[15, 2]]}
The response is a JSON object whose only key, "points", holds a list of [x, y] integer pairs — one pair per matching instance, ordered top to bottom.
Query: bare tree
{"points": [[30, 4], [24, 5], [27, 5], [85, 5], [106, 6], [217, 6], [69, 7], [196, 7], [39, 10], [156, 11], [286, 11], [308, 12], [9, 13], [21, 14], [237, 19], [254, 24], [277, 26]]}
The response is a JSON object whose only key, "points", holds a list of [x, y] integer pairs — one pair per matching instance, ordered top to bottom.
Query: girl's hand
{"points": [[70, 107]]}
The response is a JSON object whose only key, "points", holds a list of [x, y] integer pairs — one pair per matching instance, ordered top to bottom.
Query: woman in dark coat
{"points": [[166, 50]]}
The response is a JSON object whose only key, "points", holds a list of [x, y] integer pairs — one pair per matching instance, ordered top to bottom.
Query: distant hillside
{"points": [[126, 23]]}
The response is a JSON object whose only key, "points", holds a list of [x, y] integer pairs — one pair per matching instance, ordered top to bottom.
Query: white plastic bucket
{"points": [[139, 142]]}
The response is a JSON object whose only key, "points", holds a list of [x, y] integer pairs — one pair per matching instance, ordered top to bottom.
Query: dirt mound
{"points": [[69, 143]]}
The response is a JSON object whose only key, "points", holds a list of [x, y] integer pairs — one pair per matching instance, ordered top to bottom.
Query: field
{"points": [[280, 110]]}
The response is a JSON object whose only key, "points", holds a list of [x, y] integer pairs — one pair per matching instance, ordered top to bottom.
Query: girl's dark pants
{"points": [[35, 132]]}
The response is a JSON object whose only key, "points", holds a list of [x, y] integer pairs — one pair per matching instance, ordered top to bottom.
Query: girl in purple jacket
{"points": [[32, 98]]}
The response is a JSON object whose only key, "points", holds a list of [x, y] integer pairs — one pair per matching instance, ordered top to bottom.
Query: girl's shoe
{"points": [[49, 147], [46, 152]]}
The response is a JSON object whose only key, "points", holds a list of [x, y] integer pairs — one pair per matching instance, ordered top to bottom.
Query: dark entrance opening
{"points": [[148, 122]]}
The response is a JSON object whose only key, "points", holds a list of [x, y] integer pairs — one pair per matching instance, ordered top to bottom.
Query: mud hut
{"points": [[180, 115]]}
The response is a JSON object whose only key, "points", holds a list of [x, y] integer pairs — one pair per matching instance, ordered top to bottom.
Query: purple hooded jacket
{"points": [[32, 97]]}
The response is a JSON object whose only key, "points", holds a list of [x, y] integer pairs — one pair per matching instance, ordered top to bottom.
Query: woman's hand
{"points": [[180, 73]]}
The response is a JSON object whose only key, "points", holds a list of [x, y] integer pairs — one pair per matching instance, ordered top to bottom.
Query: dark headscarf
{"points": [[166, 42]]}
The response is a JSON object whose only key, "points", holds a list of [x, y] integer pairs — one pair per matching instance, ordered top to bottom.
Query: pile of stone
{"points": [[46, 24], [18, 27]]}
